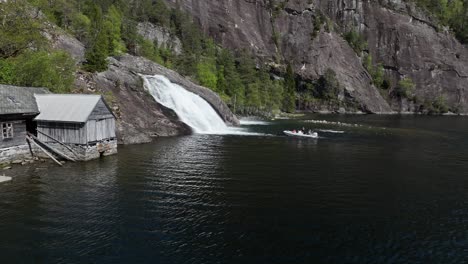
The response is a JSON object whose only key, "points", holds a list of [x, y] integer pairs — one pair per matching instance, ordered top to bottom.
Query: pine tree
{"points": [[112, 28], [96, 55], [206, 74], [234, 86], [289, 93]]}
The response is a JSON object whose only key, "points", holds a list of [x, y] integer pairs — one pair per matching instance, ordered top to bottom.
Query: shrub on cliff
{"points": [[356, 41], [405, 88], [436, 106]]}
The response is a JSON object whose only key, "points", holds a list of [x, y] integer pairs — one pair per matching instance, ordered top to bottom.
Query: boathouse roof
{"points": [[19, 100], [74, 108]]}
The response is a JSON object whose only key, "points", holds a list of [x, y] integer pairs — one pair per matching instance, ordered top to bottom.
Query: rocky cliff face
{"points": [[399, 37], [408, 45]]}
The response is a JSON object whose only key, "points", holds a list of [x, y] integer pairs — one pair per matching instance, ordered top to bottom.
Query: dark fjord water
{"points": [[393, 190]]}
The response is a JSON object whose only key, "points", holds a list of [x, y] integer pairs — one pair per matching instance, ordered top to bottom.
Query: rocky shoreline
{"points": [[24, 162]]}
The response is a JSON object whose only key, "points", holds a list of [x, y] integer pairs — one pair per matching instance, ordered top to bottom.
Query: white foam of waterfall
{"points": [[189, 107]]}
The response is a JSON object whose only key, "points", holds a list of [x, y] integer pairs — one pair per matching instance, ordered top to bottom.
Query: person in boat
{"points": [[294, 131], [309, 132]]}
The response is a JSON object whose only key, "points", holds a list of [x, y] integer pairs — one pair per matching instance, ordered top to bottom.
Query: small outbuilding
{"points": [[17, 110], [84, 122]]}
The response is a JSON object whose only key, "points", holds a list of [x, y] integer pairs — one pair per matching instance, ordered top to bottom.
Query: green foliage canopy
{"points": [[25, 57]]}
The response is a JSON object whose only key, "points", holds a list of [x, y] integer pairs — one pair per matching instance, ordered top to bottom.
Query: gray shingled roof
{"points": [[19, 100], [66, 107]]}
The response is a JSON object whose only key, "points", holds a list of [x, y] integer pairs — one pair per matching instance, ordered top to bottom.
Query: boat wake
{"points": [[246, 122], [325, 122], [331, 131]]}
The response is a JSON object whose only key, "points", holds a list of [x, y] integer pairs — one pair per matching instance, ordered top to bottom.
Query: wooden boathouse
{"points": [[17, 110], [84, 122]]}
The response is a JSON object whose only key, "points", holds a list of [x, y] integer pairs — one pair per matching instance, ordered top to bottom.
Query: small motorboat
{"points": [[300, 134]]}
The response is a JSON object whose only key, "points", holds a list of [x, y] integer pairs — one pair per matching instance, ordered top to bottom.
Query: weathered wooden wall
{"points": [[98, 130], [70, 133], [76, 133], [19, 134]]}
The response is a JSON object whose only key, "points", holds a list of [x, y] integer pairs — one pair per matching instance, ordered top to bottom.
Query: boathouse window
{"points": [[7, 130]]}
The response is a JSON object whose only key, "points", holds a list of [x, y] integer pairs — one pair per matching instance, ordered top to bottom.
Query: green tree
{"points": [[81, 26], [112, 28], [19, 30], [130, 35], [97, 49], [149, 50], [96, 55], [246, 68], [42, 69], [6, 71], [206, 74], [232, 86], [328, 86], [265, 89], [289, 93], [276, 95], [253, 97]]}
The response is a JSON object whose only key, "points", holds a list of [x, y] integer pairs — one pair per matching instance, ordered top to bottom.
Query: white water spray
{"points": [[191, 108]]}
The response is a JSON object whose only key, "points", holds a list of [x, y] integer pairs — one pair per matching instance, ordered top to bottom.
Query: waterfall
{"points": [[189, 107]]}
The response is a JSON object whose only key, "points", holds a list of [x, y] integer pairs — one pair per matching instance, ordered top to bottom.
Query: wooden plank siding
{"points": [[98, 130], [70, 133], [19, 134]]}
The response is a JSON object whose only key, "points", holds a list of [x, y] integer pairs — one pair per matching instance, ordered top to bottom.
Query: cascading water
{"points": [[191, 108]]}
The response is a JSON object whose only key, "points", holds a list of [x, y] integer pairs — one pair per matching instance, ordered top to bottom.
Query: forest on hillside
{"points": [[109, 28]]}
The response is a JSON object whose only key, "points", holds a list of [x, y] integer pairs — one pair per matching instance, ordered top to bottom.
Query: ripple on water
{"points": [[353, 198]]}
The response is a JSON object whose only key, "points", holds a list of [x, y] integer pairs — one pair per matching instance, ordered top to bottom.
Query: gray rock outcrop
{"points": [[162, 36], [61, 40]]}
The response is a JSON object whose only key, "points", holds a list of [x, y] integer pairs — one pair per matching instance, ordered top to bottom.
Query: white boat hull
{"points": [[291, 134]]}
